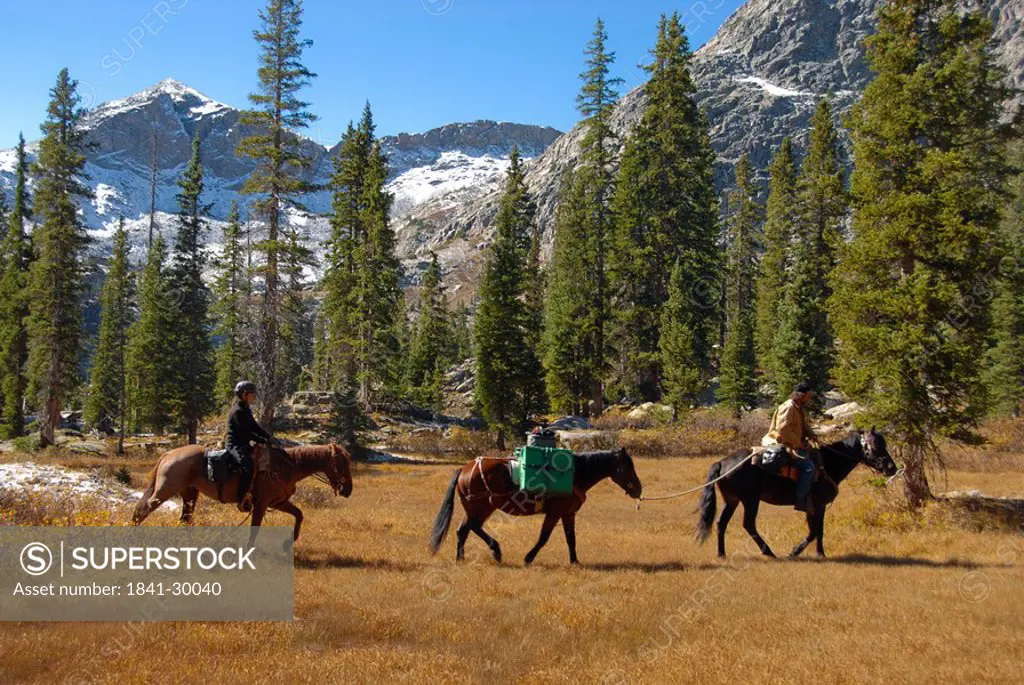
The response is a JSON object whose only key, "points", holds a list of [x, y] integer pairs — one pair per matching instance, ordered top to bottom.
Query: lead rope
{"points": [[699, 487]]}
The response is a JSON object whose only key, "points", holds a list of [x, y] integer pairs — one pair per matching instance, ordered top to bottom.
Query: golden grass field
{"points": [[936, 597]]}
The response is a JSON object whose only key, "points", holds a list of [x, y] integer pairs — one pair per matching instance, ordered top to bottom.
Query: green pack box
{"points": [[543, 470]]}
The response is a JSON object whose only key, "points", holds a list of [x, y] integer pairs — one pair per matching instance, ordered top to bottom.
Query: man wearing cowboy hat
{"points": [[790, 427]]}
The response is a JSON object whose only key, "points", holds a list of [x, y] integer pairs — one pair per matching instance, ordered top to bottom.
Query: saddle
{"points": [[777, 461], [220, 466]]}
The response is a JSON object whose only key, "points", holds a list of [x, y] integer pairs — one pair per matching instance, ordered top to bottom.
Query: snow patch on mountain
{"points": [[774, 90], [453, 171]]}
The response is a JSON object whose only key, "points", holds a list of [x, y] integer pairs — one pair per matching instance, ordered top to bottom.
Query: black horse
{"points": [[751, 485]]}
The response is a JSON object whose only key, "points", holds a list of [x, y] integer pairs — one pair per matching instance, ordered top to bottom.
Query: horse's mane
{"points": [[849, 442], [314, 455], [602, 455]]}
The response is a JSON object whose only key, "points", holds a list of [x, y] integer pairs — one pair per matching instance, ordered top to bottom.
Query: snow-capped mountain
{"points": [[154, 128]]}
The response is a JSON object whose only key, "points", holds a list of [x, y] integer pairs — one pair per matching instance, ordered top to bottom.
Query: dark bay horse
{"points": [[182, 473], [485, 485], [751, 485]]}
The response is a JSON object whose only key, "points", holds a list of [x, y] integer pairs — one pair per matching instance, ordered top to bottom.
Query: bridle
{"points": [[869, 456], [332, 480]]}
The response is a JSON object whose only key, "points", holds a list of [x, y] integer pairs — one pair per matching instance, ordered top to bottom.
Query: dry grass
{"points": [[456, 443], [908, 597]]}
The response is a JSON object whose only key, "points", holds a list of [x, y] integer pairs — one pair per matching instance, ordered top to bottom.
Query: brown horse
{"points": [[182, 472], [485, 485]]}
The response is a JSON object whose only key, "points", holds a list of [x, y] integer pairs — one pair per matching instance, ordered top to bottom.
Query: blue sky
{"points": [[421, 63]]}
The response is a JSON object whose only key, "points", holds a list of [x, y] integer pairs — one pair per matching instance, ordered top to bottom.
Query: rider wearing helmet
{"points": [[243, 430]]}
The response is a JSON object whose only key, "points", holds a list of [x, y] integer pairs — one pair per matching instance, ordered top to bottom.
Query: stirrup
{"points": [[245, 506]]}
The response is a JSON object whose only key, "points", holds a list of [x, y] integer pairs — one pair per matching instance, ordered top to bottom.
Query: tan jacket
{"points": [[789, 427]]}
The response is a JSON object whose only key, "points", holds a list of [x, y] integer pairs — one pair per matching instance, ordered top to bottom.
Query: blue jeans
{"points": [[806, 478]]}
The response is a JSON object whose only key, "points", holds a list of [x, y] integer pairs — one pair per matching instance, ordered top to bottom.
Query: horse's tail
{"points": [[708, 504], [443, 521]]}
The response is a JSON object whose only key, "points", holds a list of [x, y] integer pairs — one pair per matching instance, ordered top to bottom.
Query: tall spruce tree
{"points": [[929, 167], [277, 181], [666, 212], [591, 225], [779, 233], [15, 258], [56, 277], [380, 291], [229, 308], [361, 316], [803, 337], [431, 350], [151, 354], [505, 356], [568, 366], [681, 370], [1005, 376], [738, 388], [192, 397], [535, 397], [107, 405]]}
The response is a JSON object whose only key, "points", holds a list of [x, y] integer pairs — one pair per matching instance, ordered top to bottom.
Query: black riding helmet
{"points": [[244, 387]]}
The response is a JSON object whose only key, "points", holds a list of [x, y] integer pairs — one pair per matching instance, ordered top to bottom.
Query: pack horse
{"points": [[538, 480]]}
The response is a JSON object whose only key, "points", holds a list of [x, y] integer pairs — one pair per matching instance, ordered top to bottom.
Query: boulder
{"points": [[650, 411], [844, 412], [570, 423]]}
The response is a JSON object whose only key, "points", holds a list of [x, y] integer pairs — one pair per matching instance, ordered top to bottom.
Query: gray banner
{"points": [[146, 574]]}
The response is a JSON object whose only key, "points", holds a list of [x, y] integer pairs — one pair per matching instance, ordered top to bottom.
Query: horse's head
{"points": [[876, 454], [339, 471], [624, 475]]}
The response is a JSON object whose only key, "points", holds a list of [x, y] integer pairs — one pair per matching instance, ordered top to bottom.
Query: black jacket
{"points": [[243, 428]]}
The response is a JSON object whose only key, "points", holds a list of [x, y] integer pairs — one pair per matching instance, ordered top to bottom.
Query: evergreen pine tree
{"points": [[929, 167], [277, 180], [666, 212], [591, 225], [779, 233], [15, 258], [56, 277], [380, 292], [229, 308], [361, 320], [462, 333], [803, 336], [431, 348], [151, 351], [506, 358], [567, 362], [681, 370], [1005, 375], [738, 383], [192, 396], [535, 398], [107, 403]]}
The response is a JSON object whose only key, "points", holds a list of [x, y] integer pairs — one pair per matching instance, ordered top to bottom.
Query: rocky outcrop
{"points": [[759, 79]]}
